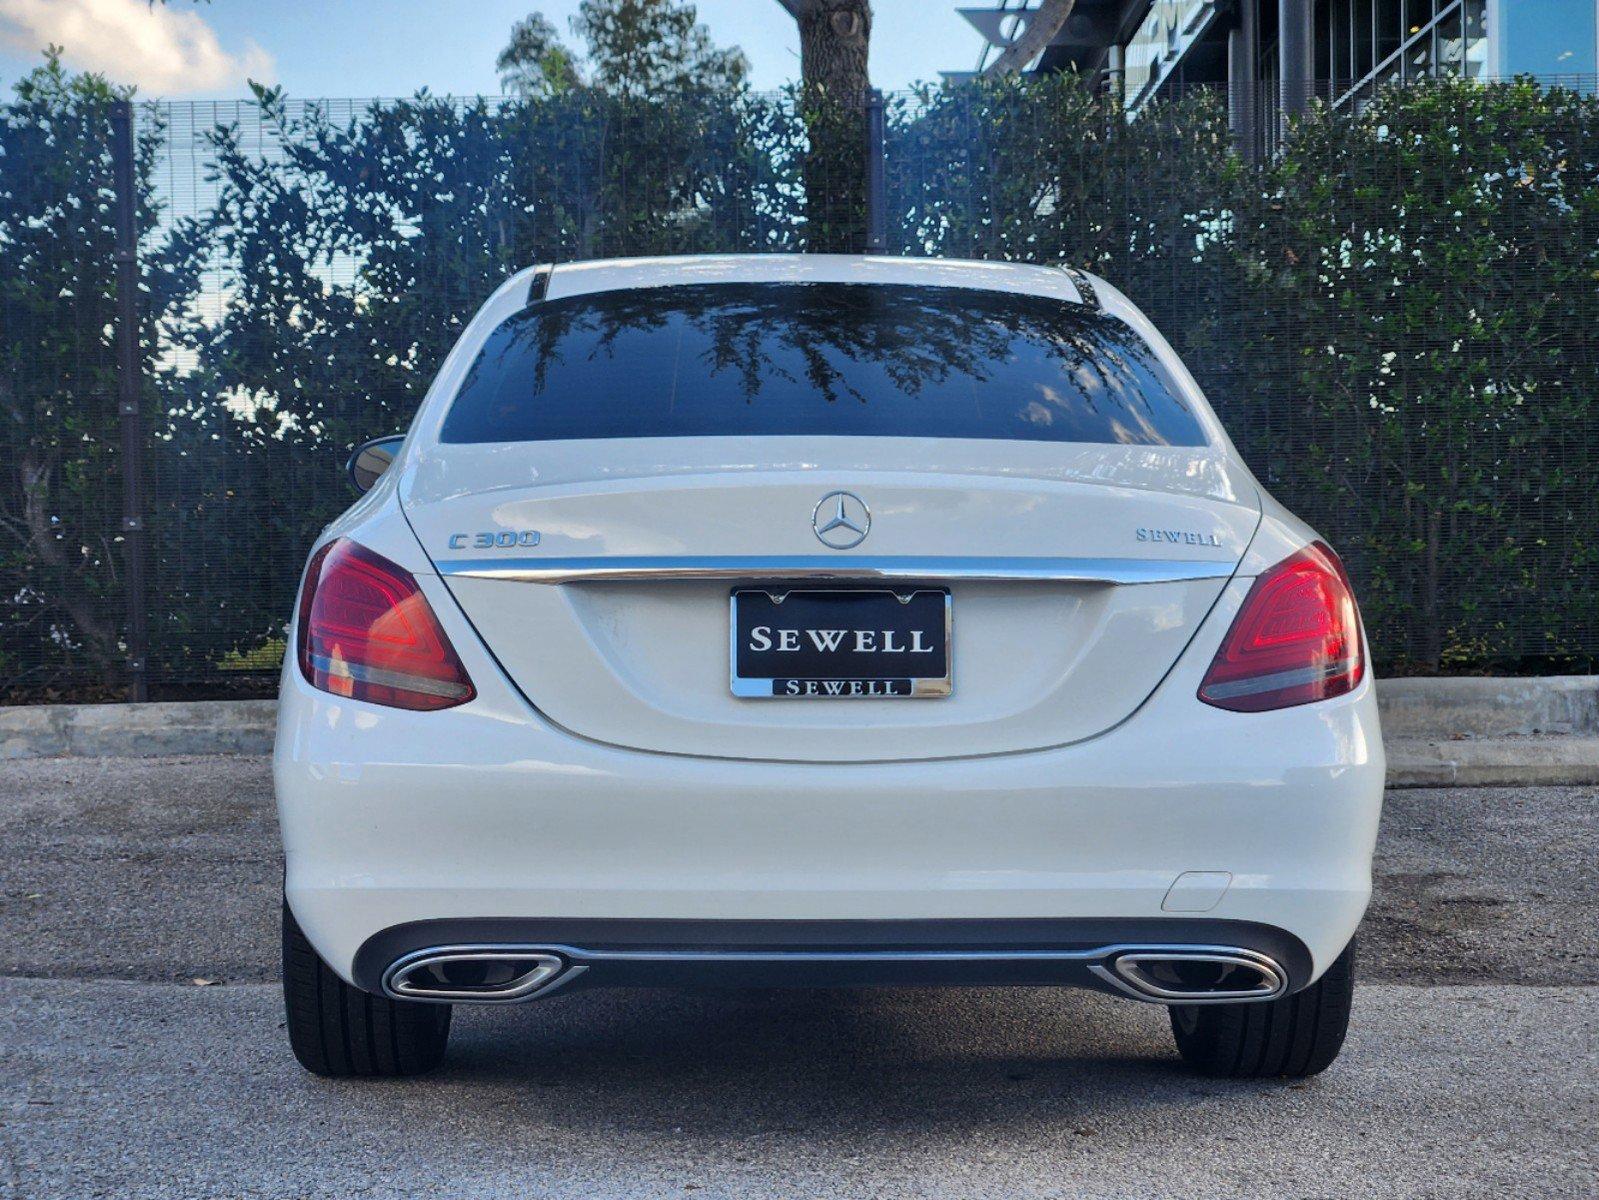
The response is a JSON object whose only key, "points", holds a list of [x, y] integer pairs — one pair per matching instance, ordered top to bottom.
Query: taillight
{"points": [[367, 632], [1295, 640]]}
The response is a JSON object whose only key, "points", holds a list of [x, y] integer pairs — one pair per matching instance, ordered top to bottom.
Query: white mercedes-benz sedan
{"points": [[821, 621]]}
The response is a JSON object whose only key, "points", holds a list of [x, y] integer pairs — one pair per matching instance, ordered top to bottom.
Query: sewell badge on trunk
{"points": [[840, 643]]}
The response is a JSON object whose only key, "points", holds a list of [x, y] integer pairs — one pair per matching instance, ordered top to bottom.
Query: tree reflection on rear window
{"points": [[842, 359]]}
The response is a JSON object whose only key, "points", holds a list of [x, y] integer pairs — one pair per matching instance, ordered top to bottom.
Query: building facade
{"points": [[1277, 54]]}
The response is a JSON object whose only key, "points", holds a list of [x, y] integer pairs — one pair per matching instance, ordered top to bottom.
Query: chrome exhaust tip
{"points": [[476, 974], [1201, 975]]}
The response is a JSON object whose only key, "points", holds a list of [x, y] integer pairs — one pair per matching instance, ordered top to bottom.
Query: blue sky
{"points": [[393, 47]]}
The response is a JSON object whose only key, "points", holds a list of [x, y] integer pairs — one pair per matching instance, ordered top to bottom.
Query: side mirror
{"points": [[371, 459]]}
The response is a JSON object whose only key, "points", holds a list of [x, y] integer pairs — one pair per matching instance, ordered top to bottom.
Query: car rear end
{"points": [[823, 620]]}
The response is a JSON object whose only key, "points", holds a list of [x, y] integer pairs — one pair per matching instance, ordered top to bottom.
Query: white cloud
{"points": [[163, 49]]}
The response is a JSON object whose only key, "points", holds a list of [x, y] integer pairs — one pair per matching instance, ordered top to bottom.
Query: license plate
{"points": [[841, 644]]}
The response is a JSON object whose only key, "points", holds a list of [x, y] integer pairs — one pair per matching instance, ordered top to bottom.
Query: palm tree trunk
{"points": [[835, 36]]}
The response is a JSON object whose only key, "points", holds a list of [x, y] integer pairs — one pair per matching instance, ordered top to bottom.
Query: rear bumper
{"points": [[487, 813], [658, 953]]}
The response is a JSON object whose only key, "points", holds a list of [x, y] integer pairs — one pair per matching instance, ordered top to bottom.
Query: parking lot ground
{"points": [[1472, 1067], [152, 1090]]}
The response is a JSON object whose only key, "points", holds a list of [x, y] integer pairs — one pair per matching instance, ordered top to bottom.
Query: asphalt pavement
{"points": [[142, 1054]]}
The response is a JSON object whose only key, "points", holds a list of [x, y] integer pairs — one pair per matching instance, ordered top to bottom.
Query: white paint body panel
{"points": [[644, 664], [1073, 772]]}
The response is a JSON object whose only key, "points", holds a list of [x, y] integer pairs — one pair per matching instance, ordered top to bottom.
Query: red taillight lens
{"points": [[367, 632], [1295, 640]]}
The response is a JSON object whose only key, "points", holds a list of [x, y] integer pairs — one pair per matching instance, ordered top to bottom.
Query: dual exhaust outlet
{"points": [[500, 974]]}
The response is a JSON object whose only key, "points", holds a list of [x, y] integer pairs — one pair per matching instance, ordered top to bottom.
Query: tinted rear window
{"points": [[819, 358]]}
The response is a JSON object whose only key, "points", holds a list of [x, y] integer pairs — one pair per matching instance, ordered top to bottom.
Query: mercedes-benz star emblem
{"points": [[841, 520]]}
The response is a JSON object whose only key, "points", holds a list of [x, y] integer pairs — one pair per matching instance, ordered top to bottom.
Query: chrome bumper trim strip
{"points": [[1103, 961]]}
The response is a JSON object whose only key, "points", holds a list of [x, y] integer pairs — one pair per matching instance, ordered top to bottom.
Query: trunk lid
{"points": [[1077, 576]]}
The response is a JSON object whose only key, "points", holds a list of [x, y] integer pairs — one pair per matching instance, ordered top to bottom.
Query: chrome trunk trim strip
{"points": [[812, 568]]}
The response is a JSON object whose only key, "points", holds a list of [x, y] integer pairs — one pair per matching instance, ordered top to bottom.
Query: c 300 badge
{"points": [[504, 540]]}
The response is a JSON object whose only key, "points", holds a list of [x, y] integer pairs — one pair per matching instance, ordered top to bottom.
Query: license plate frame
{"points": [[925, 615]]}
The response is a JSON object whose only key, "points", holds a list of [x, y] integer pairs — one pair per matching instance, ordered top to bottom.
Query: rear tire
{"points": [[340, 1031], [1292, 1038]]}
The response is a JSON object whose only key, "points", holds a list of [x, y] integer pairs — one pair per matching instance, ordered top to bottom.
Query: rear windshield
{"points": [[818, 358]]}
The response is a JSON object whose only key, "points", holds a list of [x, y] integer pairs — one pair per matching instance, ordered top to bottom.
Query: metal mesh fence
{"points": [[1394, 311], [1394, 314], [61, 557]]}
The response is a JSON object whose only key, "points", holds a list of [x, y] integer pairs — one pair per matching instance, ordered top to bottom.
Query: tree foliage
{"points": [[634, 48], [535, 64], [61, 500]]}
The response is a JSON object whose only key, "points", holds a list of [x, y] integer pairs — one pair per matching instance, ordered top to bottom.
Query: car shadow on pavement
{"points": [[744, 1063]]}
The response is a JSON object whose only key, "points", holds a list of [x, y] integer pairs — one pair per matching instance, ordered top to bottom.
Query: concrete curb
{"points": [[1489, 707], [137, 730], [1492, 731], [1456, 732], [1493, 762]]}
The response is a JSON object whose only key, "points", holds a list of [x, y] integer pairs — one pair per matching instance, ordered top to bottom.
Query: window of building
{"points": [[1474, 13], [1418, 15], [1390, 28], [1340, 34], [1362, 34], [1549, 38], [1321, 42], [1373, 42], [1451, 44]]}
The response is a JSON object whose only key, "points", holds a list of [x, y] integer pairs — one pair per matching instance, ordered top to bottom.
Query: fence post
{"points": [[876, 176], [129, 379]]}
